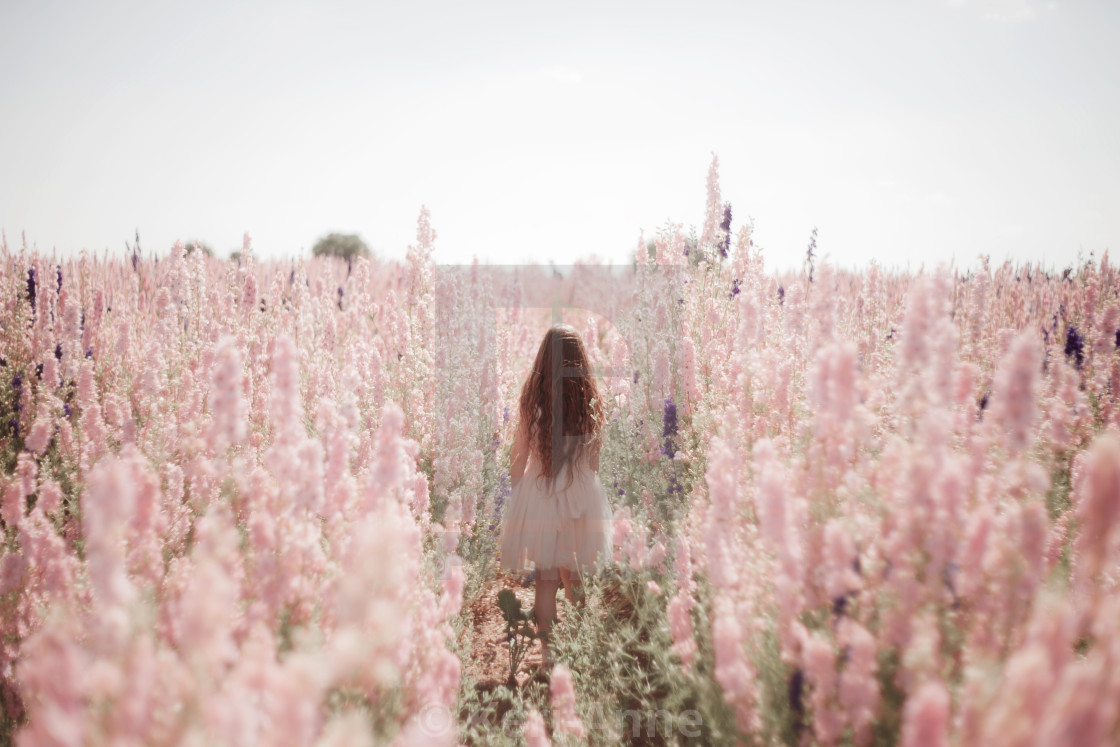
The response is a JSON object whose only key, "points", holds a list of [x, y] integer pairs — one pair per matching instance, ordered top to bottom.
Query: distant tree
{"points": [[343, 245]]}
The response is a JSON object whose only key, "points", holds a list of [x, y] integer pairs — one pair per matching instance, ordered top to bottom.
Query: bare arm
{"points": [[519, 453]]}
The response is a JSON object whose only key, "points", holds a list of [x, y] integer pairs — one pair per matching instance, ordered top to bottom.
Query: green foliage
{"points": [[345, 246], [1057, 498], [520, 630], [630, 687], [496, 715], [779, 721], [887, 727]]}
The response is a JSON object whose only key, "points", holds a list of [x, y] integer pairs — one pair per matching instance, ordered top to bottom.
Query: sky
{"points": [[908, 132]]}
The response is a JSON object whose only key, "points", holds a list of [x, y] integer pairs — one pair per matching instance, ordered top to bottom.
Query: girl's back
{"points": [[558, 517]]}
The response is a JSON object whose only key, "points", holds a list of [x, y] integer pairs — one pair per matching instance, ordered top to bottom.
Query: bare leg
{"points": [[571, 586], [545, 604]]}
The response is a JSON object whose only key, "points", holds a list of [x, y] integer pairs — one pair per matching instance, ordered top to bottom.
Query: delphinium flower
{"points": [[710, 238], [724, 243], [680, 245], [663, 251], [641, 252], [742, 259], [32, 284], [250, 296], [978, 307], [794, 308], [927, 335], [1107, 335], [1075, 346], [688, 367], [661, 373], [50, 376], [618, 384], [1114, 384], [1014, 392], [19, 396], [227, 401], [1060, 418], [837, 426], [93, 427], [669, 428], [339, 486], [502, 493], [50, 496], [109, 503], [13, 504], [1097, 505], [779, 521], [720, 534], [625, 539], [145, 554], [841, 558], [47, 581], [206, 612], [679, 614], [818, 662], [52, 670], [734, 670], [433, 673], [858, 690], [562, 695], [1082, 709], [1014, 712], [925, 718], [534, 730]]}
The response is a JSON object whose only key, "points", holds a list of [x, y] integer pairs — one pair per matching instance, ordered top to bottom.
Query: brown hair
{"points": [[560, 403]]}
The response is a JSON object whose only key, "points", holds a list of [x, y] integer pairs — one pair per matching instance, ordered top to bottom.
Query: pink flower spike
{"points": [[563, 696], [925, 718]]}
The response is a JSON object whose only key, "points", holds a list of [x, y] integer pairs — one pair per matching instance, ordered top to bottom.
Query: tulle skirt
{"points": [[548, 526]]}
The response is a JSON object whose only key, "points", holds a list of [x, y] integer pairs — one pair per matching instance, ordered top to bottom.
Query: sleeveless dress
{"points": [[552, 525]]}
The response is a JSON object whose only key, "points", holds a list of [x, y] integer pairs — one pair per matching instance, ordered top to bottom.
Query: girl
{"points": [[558, 517]]}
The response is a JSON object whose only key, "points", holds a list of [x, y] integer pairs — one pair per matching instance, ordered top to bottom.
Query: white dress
{"points": [[552, 525]]}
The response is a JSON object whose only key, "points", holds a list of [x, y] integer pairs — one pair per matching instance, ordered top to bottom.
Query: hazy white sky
{"points": [[908, 131]]}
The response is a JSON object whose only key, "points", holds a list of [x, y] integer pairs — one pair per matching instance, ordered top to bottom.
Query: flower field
{"points": [[256, 501]]}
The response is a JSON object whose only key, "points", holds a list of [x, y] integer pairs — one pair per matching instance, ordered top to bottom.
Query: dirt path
{"points": [[488, 664]]}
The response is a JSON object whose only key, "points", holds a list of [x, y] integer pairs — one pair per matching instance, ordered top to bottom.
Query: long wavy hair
{"points": [[560, 403]]}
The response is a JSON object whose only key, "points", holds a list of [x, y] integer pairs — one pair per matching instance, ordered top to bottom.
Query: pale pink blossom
{"points": [[1015, 392], [227, 400], [40, 434], [1098, 502], [680, 628], [734, 671], [563, 697], [925, 718], [534, 730]]}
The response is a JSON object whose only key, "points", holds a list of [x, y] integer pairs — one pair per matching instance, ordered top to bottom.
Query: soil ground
{"points": [[488, 666]]}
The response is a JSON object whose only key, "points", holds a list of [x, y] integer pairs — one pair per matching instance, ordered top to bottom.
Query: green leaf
{"points": [[510, 606]]}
